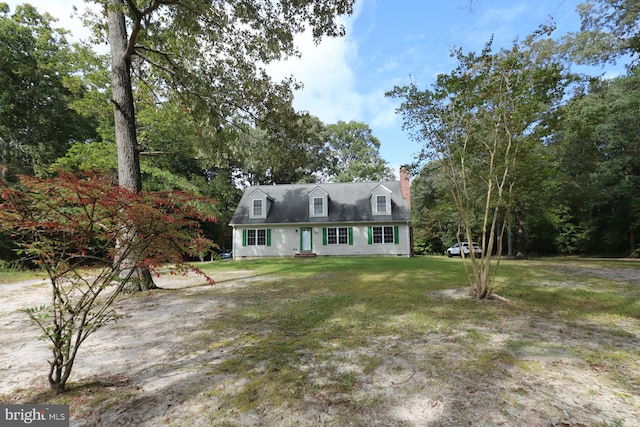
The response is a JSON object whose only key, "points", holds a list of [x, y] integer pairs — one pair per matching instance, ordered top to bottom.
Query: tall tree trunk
{"points": [[129, 175]]}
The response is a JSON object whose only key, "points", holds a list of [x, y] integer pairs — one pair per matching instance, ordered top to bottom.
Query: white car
{"points": [[455, 250]]}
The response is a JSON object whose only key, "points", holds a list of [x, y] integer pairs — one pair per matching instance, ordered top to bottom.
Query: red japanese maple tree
{"points": [[75, 227]]}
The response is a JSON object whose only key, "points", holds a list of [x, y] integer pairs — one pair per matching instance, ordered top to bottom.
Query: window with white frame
{"points": [[381, 204], [318, 206], [257, 207], [383, 234], [337, 235], [257, 237]]}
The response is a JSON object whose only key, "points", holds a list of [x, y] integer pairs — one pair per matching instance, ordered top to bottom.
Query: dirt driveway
{"points": [[153, 380]]}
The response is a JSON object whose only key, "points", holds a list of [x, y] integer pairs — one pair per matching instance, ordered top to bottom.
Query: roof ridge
{"points": [[317, 184]]}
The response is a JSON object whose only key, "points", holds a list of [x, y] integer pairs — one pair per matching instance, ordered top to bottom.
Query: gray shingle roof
{"points": [[347, 202]]}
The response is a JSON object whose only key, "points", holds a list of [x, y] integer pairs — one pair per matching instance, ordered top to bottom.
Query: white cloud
{"points": [[63, 11], [503, 15], [504, 24], [390, 64], [325, 73], [327, 76], [330, 86], [381, 110]]}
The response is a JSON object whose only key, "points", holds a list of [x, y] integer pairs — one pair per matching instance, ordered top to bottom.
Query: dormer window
{"points": [[380, 198], [318, 203], [381, 204], [318, 206], [257, 207]]}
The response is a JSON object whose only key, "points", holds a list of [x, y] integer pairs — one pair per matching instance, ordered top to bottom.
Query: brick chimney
{"points": [[405, 186]]}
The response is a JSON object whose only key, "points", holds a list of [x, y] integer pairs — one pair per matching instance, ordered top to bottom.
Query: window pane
{"points": [[381, 203], [318, 206], [257, 208], [377, 234], [382, 234], [342, 235], [388, 235], [251, 237], [257, 237], [262, 237], [332, 238]]}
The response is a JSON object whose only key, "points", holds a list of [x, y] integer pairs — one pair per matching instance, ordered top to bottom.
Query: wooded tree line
{"points": [[574, 165], [578, 189]]}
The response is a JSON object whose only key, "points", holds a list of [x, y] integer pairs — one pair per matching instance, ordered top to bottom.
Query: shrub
{"points": [[70, 222]]}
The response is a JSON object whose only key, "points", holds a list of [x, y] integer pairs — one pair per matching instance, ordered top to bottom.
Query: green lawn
{"points": [[16, 275], [316, 311], [378, 341]]}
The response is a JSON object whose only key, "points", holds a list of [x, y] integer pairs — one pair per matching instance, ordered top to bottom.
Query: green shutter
{"points": [[370, 235], [324, 236], [350, 236], [244, 237], [268, 237], [396, 237]]}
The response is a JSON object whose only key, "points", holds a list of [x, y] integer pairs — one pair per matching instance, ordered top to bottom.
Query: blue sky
{"points": [[388, 43], [391, 43]]}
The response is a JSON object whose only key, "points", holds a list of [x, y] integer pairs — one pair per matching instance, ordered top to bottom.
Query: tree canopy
{"points": [[610, 29], [210, 57], [37, 123], [597, 150], [357, 154], [576, 179]]}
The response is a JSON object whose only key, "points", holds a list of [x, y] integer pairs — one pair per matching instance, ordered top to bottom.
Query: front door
{"points": [[305, 240]]}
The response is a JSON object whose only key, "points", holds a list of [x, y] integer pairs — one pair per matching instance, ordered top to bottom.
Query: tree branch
{"points": [[137, 21], [157, 65], [157, 153]]}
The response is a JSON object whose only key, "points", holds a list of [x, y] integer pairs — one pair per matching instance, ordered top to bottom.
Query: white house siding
{"points": [[285, 241]]}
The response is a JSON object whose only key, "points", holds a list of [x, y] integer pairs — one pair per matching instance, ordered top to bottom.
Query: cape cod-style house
{"points": [[368, 218]]}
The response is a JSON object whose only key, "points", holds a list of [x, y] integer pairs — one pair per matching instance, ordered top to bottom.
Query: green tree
{"points": [[610, 29], [211, 54], [476, 122], [37, 123], [292, 152], [177, 153], [357, 153], [598, 153], [435, 220], [531, 226]]}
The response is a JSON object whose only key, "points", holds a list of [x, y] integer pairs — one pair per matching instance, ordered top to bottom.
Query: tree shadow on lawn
{"points": [[282, 352], [575, 353], [242, 358], [538, 361]]}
